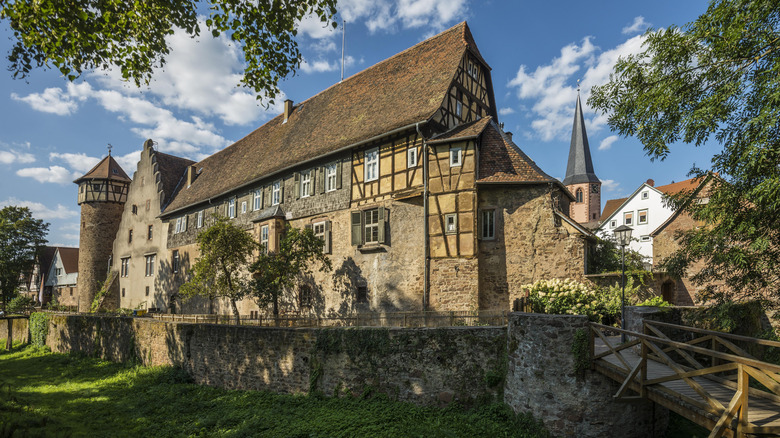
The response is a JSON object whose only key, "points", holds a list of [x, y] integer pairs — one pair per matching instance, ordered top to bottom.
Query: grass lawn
{"points": [[47, 394]]}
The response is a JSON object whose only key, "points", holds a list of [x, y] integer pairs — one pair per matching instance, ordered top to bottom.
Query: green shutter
{"points": [[338, 174], [321, 178], [297, 185], [281, 191], [381, 225], [357, 228], [327, 237]]}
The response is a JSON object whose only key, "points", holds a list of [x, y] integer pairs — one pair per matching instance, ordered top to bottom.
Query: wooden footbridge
{"points": [[708, 377]]}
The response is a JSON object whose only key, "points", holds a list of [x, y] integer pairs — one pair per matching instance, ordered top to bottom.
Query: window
{"points": [[458, 108], [411, 157], [456, 158], [371, 164], [331, 177], [306, 184], [276, 193], [579, 195], [645, 195], [258, 200], [243, 207], [232, 208], [135, 209], [641, 217], [628, 218], [200, 219], [450, 223], [612, 223], [488, 224], [181, 225], [371, 226], [319, 229], [177, 230], [149, 232], [130, 236], [264, 238], [644, 239], [175, 261], [124, 268], [58, 271], [149, 271], [71, 291], [147, 291], [123, 292], [362, 294], [304, 296]]}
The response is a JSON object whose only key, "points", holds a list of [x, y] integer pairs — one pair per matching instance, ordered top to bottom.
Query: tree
{"points": [[83, 35], [715, 77], [21, 238], [606, 258], [221, 270], [274, 272]]}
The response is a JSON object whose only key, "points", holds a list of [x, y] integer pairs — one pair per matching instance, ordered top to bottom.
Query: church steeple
{"points": [[580, 166], [581, 180]]}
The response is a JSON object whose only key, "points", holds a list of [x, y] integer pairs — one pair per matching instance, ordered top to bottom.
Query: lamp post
{"points": [[623, 237]]}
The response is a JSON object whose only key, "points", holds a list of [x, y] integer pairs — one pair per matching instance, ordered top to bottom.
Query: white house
{"points": [[643, 211], [63, 275]]}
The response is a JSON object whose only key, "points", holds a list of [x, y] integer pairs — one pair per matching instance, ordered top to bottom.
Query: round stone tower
{"points": [[102, 196]]}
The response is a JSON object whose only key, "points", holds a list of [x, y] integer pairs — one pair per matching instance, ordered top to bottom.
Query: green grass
{"points": [[47, 394]]}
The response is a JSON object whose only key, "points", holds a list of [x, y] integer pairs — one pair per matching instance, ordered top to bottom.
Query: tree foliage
{"points": [[83, 35], [717, 77], [21, 238], [606, 257], [221, 270], [275, 272]]}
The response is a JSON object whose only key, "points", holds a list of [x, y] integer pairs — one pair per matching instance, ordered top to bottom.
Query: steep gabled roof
{"points": [[400, 91], [462, 132], [107, 168], [579, 168], [172, 169], [614, 205], [611, 206], [45, 257], [70, 259]]}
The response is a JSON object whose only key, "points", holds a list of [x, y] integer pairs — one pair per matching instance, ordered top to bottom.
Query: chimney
{"points": [[288, 108], [509, 135], [192, 173], [651, 183]]}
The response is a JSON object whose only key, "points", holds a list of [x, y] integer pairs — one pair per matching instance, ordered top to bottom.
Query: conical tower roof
{"points": [[580, 166], [107, 168]]}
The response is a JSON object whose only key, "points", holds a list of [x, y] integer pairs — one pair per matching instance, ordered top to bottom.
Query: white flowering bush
{"points": [[570, 297]]}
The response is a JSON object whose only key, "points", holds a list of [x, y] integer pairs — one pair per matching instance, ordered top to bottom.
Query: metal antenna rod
{"points": [[343, 43]]}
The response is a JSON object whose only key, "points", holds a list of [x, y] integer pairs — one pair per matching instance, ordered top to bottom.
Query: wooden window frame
{"points": [[456, 152], [411, 157], [371, 164], [331, 171], [276, 193], [257, 200], [231, 208], [451, 217], [628, 218], [200, 219], [639, 220], [492, 225], [264, 239], [149, 260], [175, 261], [124, 267]]}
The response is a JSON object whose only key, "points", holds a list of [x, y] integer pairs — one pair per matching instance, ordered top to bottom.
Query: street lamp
{"points": [[623, 237]]}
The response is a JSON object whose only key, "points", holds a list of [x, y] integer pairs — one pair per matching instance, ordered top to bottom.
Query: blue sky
{"points": [[54, 131]]}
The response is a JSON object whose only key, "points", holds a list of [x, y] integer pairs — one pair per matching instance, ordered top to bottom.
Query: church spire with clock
{"points": [[580, 178]]}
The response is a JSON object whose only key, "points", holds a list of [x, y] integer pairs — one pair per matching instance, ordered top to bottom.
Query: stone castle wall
{"points": [[99, 225], [18, 329], [529, 364]]}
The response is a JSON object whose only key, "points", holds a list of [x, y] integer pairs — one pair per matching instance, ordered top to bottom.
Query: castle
{"points": [[421, 198]]}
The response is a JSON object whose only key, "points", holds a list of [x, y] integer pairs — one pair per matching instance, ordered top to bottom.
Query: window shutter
{"points": [[338, 175], [313, 178], [321, 178], [297, 185], [281, 191], [184, 223], [381, 226], [357, 228], [327, 237]]}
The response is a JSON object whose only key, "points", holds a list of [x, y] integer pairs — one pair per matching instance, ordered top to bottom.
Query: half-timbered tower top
{"points": [[400, 93], [580, 166], [106, 182]]}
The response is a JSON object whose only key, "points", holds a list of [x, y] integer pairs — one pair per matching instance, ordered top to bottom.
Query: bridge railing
{"points": [[733, 368]]}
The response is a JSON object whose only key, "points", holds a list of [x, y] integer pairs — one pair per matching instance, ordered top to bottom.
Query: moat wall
{"points": [[529, 364]]}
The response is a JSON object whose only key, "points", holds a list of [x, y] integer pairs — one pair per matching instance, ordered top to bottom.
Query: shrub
{"points": [[655, 302], [21, 304], [39, 328]]}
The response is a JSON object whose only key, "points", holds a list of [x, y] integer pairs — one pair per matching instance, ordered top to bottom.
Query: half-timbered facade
{"points": [[421, 199]]}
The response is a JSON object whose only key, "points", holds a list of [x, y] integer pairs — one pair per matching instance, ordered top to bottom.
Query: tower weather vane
{"points": [[109, 148]]}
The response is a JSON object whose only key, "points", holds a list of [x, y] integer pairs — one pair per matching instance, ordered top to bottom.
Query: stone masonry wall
{"points": [[99, 224], [454, 284], [19, 329], [541, 380]]}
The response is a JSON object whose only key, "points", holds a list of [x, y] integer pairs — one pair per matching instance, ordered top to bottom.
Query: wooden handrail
{"points": [[748, 339]]}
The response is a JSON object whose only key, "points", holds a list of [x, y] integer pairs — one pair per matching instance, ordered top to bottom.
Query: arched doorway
{"points": [[667, 291]]}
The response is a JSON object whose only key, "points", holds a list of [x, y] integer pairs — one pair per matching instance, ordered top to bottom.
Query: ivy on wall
{"points": [[39, 328]]}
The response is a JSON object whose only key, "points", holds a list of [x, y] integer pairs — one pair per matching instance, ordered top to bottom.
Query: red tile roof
{"points": [[404, 89], [462, 132], [500, 160], [172, 170], [688, 185], [611, 206], [70, 258]]}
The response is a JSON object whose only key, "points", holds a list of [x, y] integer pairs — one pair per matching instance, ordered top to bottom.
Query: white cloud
{"points": [[389, 15], [639, 25], [312, 27], [319, 66], [551, 89], [52, 100], [505, 111], [607, 142], [10, 157], [79, 162], [129, 162], [51, 174], [610, 185], [40, 211]]}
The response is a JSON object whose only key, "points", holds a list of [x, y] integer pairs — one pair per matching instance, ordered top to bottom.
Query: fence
{"points": [[394, 319]]}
